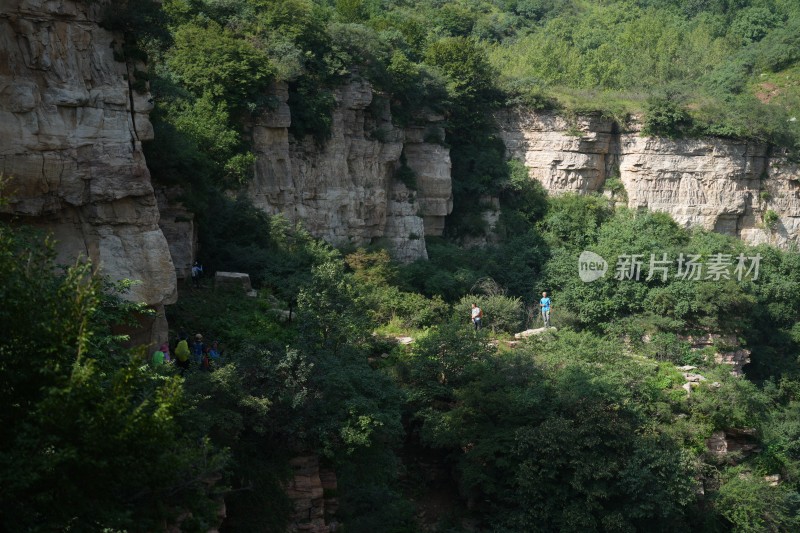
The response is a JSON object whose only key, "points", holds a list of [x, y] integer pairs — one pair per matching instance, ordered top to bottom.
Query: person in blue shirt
{"points": [[545, 305]]}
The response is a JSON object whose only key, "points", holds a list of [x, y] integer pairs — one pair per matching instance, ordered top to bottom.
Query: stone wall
{"points": [[70, 143], [718, 184]]}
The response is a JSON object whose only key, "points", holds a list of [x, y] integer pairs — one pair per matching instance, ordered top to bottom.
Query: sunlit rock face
{"points": [[71, 129], [724, 185], [345, 189]]}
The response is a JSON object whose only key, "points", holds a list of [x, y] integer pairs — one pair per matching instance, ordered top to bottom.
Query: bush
{"points": [[665, 116], [771, 219], [500, 313], [80, 409], [749, 503]]}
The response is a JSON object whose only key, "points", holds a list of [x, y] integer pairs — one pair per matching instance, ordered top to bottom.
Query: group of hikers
{"points": [[544, 308], [197, 354], [207, 356]]}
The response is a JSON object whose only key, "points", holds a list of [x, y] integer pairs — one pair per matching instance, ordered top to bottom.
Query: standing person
{"points": [[197, 270], [545, 305], [477, 315], [165, 349], [198, 349], [215, 352], [182, 353], [158, 358], [205, 362]]}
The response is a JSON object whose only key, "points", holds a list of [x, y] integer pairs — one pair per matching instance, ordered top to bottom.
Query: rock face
{"points": [[70, 143], [563, 156], [718, 184], [345, 189], [177, 224], [232, 281], [727, 349], [732, 444], [313, 510]]}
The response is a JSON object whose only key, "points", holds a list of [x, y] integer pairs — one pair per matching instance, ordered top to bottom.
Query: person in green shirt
{"points": [[182, 353], [158, 358]]}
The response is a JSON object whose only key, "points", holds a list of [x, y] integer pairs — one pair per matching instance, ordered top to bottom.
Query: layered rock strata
{"points": [[70, 144], [725, 185], [344, 189], [314, 510]]}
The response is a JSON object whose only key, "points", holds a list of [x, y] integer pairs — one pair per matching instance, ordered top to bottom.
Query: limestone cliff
{"points": [[71, 129], [70, 142], [718, 184], [344, 189]]}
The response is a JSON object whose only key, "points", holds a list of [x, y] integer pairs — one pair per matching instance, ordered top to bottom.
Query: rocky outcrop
{"points": [[70, 144], [563, 155], [710, 183], [725, 185], [345, 190], [178, 226], [236, 282], [536, 331], [726, 350], [732, 444], [312, 491]]}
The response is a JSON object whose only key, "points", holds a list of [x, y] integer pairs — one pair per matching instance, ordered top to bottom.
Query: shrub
{"points": [[666, 116], [771, 219], [500, 312], [749, 503]]}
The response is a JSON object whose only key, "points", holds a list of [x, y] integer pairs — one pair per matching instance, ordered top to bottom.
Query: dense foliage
{"points": [[716, 67], [585, 428], [588, 428], [91, 439]]}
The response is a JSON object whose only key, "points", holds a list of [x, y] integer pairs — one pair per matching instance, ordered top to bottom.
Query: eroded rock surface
{"points": [[70, 143], [724, 185], [345, 190], [314, 510]]}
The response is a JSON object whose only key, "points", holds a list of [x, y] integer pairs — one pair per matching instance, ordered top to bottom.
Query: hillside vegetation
{"points": [[682, 67], [688, 67], [587, 428]]}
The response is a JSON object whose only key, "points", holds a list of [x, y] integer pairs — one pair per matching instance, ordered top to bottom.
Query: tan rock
{"points": [[70, 142], [718, 184], [344, 189], [177, 225], [233, 280], [532, 332], [733, 443], [306, 490]]}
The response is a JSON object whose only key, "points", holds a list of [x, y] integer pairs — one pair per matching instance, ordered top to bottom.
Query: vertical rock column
{"points": [[70, 143], [343, 189], [306, 489]]}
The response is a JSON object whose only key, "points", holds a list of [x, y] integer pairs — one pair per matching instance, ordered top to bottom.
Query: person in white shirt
{"points": [[477, 314]]}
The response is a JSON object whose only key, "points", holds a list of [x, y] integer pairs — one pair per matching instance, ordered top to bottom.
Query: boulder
{"points": [[233, 281], [537, 331]]}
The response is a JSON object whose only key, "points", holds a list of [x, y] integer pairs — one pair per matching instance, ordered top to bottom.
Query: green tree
{"points": [[208, 58], [92, 439], [749, 503]]}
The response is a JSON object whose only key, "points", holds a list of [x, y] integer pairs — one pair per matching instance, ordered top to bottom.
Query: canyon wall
{"points": [[71, 129], [70, 145], [729, 186], [345, 189]]}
